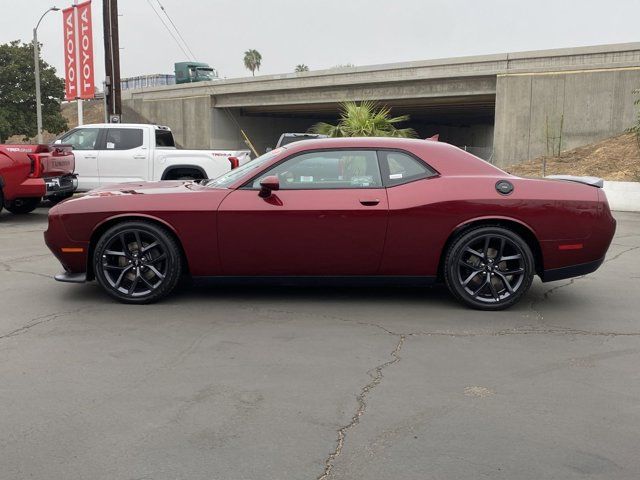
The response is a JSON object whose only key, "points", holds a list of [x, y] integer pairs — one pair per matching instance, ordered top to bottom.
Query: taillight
{"points": [[235, 162], [36, 165]]}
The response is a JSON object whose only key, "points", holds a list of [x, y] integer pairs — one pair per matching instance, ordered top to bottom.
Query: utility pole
{"points": [[111, 57]]}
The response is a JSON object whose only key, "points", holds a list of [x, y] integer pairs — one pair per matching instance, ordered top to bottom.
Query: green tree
{"points": [[252, 60], [301, 68], [18, 93], [365, 119]]}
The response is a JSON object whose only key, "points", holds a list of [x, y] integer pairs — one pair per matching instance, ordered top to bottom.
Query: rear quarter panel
{"points": [[425, 213]]}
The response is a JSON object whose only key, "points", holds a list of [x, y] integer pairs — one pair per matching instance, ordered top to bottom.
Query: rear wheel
{"points": [[21, 206], [137, 262], [489, 268]]}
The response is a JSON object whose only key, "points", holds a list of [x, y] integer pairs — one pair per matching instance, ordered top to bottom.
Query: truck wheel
{"points": [[184, 174], [56, 199], [21, 206], [137, 262]]}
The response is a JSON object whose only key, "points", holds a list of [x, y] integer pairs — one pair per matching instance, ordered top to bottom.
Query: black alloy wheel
{"points": [[137, 262], [489, 268]]}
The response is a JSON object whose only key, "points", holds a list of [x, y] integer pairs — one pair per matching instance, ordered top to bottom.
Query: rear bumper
{"points": [[61, 185], [571, 271]]}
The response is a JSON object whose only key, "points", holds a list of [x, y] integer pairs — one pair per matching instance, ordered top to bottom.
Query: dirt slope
{"points": [[616, 158]]}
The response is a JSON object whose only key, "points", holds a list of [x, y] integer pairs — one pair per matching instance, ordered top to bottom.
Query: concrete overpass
{"points": [[507, 107]]}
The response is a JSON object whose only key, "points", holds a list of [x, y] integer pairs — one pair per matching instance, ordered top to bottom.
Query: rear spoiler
{"points": [[591, 181]]}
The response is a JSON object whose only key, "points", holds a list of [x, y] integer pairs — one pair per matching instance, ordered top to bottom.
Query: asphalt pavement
{"points": [[298, 383]]}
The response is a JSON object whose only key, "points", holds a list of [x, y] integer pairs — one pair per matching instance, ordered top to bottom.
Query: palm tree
{"points": [[252, 60], [301, 68], [365, 119]]}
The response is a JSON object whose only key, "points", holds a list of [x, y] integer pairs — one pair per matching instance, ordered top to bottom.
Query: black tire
{"points": [[184, 174], [56, 199], [1, 200], [20, 206], [489, 268], [137, 275]]}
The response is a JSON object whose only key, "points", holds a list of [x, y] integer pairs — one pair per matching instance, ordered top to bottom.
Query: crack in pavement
{"points": [[5, 265], [548, 292], [38, 321], [376, 376]]}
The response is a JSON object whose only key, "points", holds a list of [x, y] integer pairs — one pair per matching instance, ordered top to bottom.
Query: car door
{"points": [[85, 143], [124, 155], [328, 218], [418, 224]]}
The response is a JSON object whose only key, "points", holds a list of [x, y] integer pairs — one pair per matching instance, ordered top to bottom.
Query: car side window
{"points": [[81, 138], [123, 138], [400, 167], [327, 169]]}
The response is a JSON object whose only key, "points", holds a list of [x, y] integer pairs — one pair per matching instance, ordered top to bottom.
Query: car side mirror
{"points": [[268, 185]]}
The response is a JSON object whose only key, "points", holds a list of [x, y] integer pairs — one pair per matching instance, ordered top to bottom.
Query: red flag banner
{"points": [[85, 47], [78, 52], [70, 54]]}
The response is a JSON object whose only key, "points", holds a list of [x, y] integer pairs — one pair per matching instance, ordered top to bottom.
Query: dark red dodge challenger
{"points": [[350, 210]]}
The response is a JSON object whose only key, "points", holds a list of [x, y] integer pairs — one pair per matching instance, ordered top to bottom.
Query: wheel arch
{"points": [[191, 168], [111, 221], [525, 231]]}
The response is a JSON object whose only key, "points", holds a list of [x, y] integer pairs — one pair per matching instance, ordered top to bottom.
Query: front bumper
{"points": [[61, 185], [68, 277]]}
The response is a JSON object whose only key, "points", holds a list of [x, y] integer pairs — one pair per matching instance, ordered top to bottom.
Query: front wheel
{"points": [[20, 206], [137, 262], [489, 268]]}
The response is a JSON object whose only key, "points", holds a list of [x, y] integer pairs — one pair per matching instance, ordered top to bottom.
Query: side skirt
{"points": [[313, 281]]}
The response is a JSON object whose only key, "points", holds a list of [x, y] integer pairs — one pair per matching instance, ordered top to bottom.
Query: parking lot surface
{"points": [[282, 383]]}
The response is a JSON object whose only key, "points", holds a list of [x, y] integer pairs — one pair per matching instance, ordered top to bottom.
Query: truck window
{"points": [[81, 138], [123, 138], [164, 138]]}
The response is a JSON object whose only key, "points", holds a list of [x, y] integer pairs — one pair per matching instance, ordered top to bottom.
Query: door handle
{"points": [[90, 157], [141, 157], [370, 203]]}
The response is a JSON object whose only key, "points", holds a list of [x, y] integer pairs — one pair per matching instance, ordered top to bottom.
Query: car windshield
{"points": [[228, 178]]}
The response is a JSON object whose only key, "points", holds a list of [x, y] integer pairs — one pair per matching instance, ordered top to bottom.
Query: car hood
{"points": [[165, 187]]}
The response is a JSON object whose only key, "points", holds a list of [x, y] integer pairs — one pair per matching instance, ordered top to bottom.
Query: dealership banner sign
{"points": [[78, 51]]}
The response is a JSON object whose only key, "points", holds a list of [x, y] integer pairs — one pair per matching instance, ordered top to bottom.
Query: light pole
{"points": [[36, 61]]}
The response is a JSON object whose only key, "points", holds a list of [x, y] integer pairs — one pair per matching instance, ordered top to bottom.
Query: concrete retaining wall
{"points": [[590, 106], [623, 196]]}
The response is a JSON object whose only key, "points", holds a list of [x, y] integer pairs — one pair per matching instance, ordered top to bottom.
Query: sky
{"points": [[326, 33]]}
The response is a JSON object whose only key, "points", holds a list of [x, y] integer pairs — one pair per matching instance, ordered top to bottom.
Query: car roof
{"points": [[124, 125], [442, 156]]}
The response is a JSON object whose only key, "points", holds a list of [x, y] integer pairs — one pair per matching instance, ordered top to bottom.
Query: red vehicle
{"points": [[29, 173], [347, 209]]}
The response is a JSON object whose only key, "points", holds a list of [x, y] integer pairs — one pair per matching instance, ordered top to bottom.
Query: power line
{"points": [[176, 29], [169, 30]]}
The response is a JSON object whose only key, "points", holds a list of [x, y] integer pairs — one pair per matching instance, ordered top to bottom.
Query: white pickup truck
{"points": [[108, 153]]}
